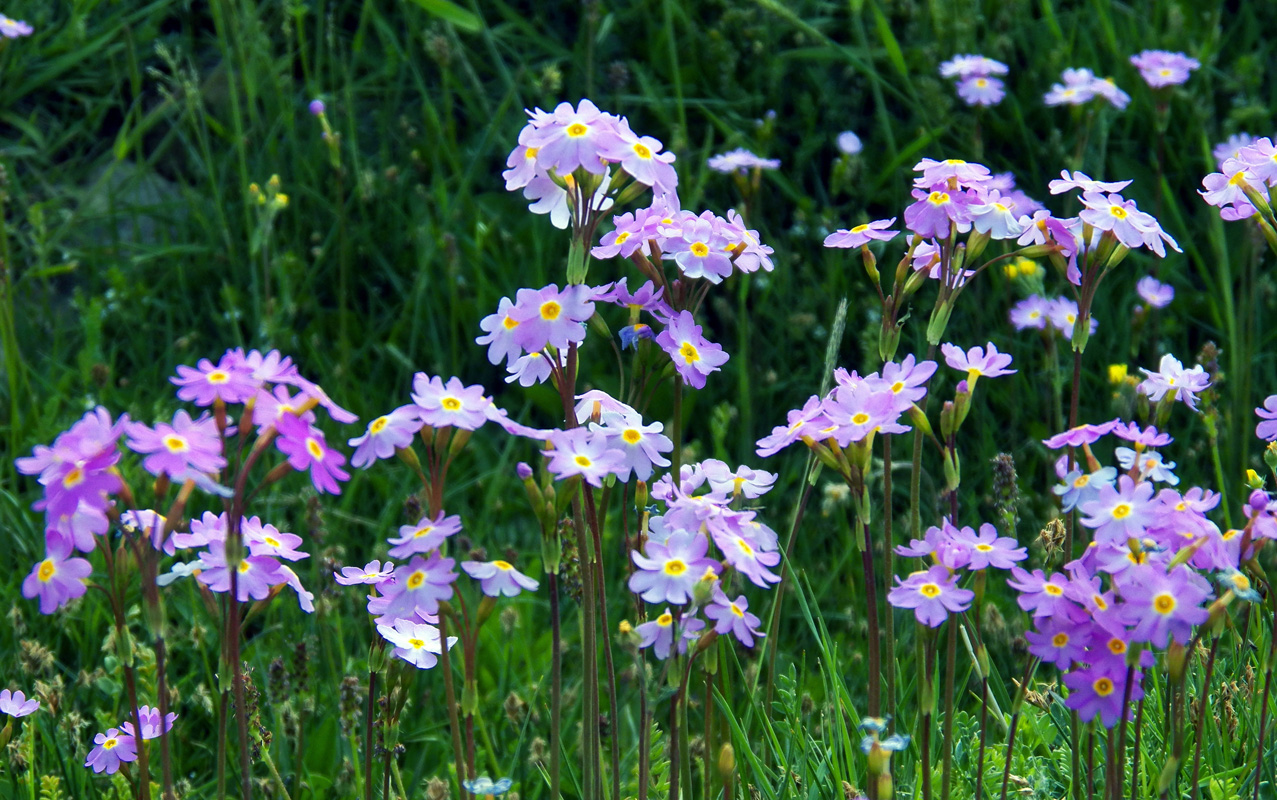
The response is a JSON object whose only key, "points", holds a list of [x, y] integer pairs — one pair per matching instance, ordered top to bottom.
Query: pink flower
{"points": [[1160, 68], [861, 235], [694, 356], [230, 380], [385, 435], [184, 446], [306, 449], [110, 750]]}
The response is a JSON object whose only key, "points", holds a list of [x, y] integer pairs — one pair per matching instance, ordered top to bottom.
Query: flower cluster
{"points": [[1161, 68], [977, 85], [1081, 86], [740, 161], [1243, 181], [1054, 314], [1174, 381], [674, 566], [934, 593], [119, 745]]}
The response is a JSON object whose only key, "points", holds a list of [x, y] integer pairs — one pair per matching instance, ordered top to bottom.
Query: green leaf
{"points": [[451, 12]]}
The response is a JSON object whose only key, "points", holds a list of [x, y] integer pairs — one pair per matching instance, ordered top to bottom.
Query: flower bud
{"points": [[316, 107], [976, 243], [871, 264], [1270, 456], [523, 471], [1253, 480], [1258, 501], [1176, 658], [726, 761]]}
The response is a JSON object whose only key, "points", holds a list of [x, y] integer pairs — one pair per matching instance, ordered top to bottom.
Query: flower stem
{"points": [[592, 517], [888, 541], [871, 613], [950, 673], [556, 686], [450, 696], [926, 698], [1016, 706], [1263, 706], [368, 745], [1135, 760], [1193, 787]]}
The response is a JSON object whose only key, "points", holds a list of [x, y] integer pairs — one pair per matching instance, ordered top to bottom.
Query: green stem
{"points": [[888, 541], [950, 674], [274, 773], [1193, 787]]}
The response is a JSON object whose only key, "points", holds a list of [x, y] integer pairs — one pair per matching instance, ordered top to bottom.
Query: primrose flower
{"points": [[13, 28], [965, 66], [1160, 68], [981, 90], [570, 137], [849, 143], [1231, 147], [641, 157], [740, 161], [950, 171], [1080, 180], [938, 211], [862, 235], [699, 245], [1156, 294], [645, 298], [1030, 313], [553, 317], [500, 336], [694, 356], [978, 362], [533, 368], [1171, 377], [908, 378], [230, 380], [453, 404], [808, 420], [1267, 429], [1082, 434], [385, 435], [1142, 437], [641, 444], [186, 445], [306, 449], [585, 453], [1149, 465], [745, 481], [1080, 487], [1120, 513], [264, 539], [987, 549], [745, 556], [669, 571], [256, 574], [372, 574], [59, 578], [498, 578], [419, 585], [932, 595], [1043, 596], [1161, 606], [732, 616], [658, 633], [1061, 642], [418, 643], [1098, 690], [16, 704], [153, 726], [110, 750]]}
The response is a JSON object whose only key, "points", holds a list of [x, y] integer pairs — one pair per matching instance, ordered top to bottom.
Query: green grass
{"points": [[130, 131]]}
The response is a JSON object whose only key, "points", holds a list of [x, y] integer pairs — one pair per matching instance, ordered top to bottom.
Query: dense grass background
{"points": [[130, 132]]}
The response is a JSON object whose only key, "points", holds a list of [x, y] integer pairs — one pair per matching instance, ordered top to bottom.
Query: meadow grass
{"points": [[129, 136]]}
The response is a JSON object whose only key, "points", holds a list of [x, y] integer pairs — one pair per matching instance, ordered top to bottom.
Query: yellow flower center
{"points": [[981, 82], [578, 129], [641, 150], [532, 152], [953, 162], [1239, 178], [938, 198], [1118, 212], [860, 228], [622, 237], [699, 249], [550, 310], [510, 323], [689, 352], [973, 374], [218, 376], [897, 387], [450, 404], [859, 418], [378, 424], [631, 436], [176, 444], [313, 447], [582, 461], [73, 478], [1081, 481], [1121, 511], [422, 531], [271, 540], [744, 546], [984, 548], [244, 566], [504, 566], [675, 567], [46, 571], [416, 579], [1241, 582], [929, 590], [1053, 590], [1100, 603], [1163, 604], [736, 610], [665, 620], [1060, 639], [417, 644], [1117, 647], [1103, 687], [110, 743]]}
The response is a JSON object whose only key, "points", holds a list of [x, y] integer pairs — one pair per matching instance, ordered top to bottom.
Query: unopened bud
{"points": [[726, 761]]}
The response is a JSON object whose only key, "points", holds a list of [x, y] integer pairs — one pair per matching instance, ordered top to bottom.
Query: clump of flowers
{"points": [[1161, 68], [976, 81], [1080, 86]]}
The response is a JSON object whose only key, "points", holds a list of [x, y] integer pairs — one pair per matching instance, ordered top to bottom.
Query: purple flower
{"points": [[13, 28], [965, 66], [1160, 68], [981, 90], [316, 107], [569, 138], [849, 143], [1231, 147], [642, 158], [740, 160], [951, 170], [1080, 180], [937, 212], [1132, 227], [862, 235], [698, 245], [1157, 295], [1031, 312], [1063, 313], [553, 317], [501, 337], [694, 356], [977, 362], [1171, 377], [230, 380], [452, 405], [856, 411], [802, 421], [1267, 429], [1082, 434], [385, 435], [1146, 437], [641, 444], [185, 446], [306, 449], [586, 453], [744, 480], [1079, 487], [1120, 513], [427, 535], [264, 539], [987, 549], [744, 556], [669, 571], [372, 573], [256, 575], [498, 578], [58, 579], [419, 585], [932, 595], [1045, 597], [1161, 606], [732, 616], [659, 633], [1060, 641], [418, 643], [1099, 690], [16, 704], [153, 726], [111, 749]]}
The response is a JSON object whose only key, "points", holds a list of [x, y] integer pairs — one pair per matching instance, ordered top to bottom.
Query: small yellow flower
{"points": [[280, 200], [1117, 373]]}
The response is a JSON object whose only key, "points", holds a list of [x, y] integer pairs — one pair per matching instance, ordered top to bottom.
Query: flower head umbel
{"points": [[1160, 68], [694, 356], [669, 571], [498, 578], [932, 595], [16, 704]]}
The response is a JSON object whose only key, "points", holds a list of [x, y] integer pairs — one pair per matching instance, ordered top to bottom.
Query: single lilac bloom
{"points": [[14, 28], [1160, 68], [862, 235], [1157, 295], [694, 356], [977, 362], [230, 381], [451, 405], [385, 435], [184, 446], [307, 449], [585, 453], [427, 535], [669, 571], [372, 573], [498, 578], [58, 579], [932, 595], [1160, 606], [732, 616], [418, 643], [16, 704], [153, 725], [110, 750]]}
